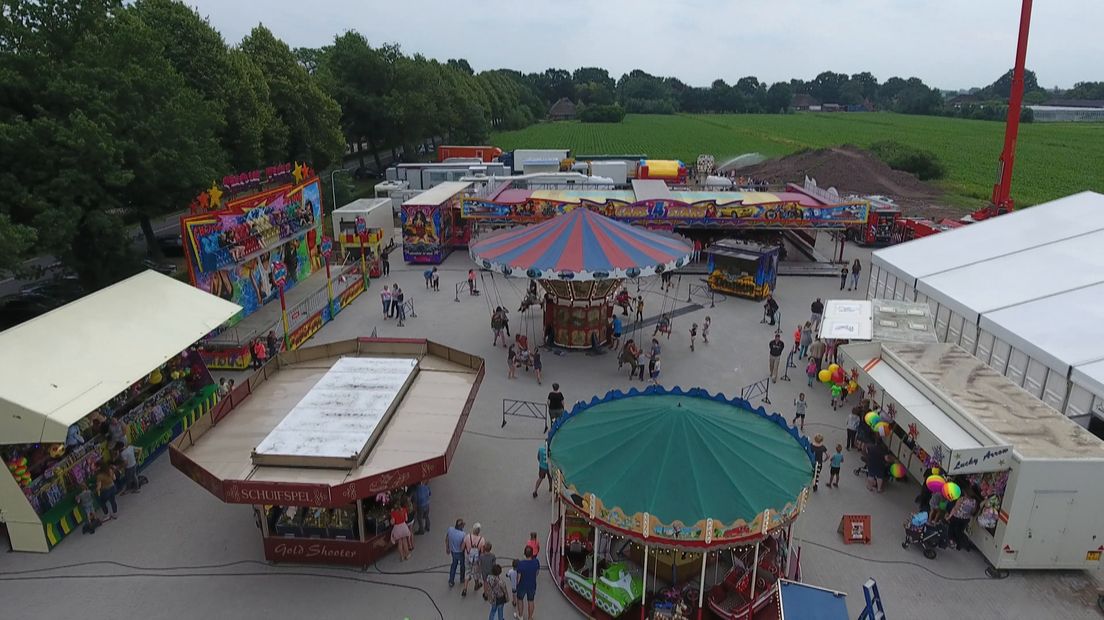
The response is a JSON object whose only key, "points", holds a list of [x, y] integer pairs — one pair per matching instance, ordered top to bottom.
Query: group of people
{"points": [[432, 279], [394, 302], [264, 348], [639, 360], [116, 474], [413, 506], [956, 514], [474, 556]]}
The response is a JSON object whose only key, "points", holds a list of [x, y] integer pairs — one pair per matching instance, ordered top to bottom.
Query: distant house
{"points": [[802, 101], [958, 101], [831, 107], [562, 110]]}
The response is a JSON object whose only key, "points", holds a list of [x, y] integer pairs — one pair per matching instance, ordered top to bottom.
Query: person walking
{"points": [[386, 264], [856, 272], [843, 277], [436, 280], [471, 282], [385, 297], [398, 302], [639, 308], [770, 309], [816, 312], [498, 320], [616, 328], [705, 330], [693, 334], [805, 340], [272, 343], [776, 348], [816, 353], [511, 362], [538, 365], [654, 369], [555, 403], [800, 405], [854, 419], [819, 452], [834, 468], [542, 469], [105, 488], [421, 508], [400, 531], [473, 544], [454, 548], [487, 562], [527, 569], [512, 579], [497, 592]]}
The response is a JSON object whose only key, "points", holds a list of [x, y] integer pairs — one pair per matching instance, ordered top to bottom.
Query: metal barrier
{"points": [[701, 290], [304, 310], [758, 389], [525, 409]]}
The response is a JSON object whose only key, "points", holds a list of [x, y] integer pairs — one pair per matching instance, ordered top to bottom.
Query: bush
{"points": [[602, 114], [924, 164]]}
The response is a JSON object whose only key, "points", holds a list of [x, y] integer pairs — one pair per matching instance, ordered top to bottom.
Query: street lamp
{"points": [[333, 188]]}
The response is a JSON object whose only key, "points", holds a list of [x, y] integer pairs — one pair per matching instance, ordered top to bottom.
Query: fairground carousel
{"points": [[674, 504]]}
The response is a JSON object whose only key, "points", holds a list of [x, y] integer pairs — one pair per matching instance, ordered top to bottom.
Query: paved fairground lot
{"points": [[177, 552]]}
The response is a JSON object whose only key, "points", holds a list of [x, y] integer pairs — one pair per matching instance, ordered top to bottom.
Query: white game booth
{"points": [[1024, 292], [880, 320], [1038, 472]]}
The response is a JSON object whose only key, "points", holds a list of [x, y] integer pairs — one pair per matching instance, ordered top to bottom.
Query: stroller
{"points": [[929, 536]]}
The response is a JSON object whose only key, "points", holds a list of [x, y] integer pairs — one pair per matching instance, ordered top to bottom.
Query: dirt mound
{"points": [[847, 168]]}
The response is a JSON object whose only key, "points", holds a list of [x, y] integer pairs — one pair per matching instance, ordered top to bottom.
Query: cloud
{"points": [[947, 43]]}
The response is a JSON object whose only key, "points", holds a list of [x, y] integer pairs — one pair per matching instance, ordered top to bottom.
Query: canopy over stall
{"points": [[580, 258], [1022, 292], [59, 367], [331, 426]]}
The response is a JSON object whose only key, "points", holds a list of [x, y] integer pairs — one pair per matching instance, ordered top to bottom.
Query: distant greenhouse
{"points": [[1066, 114]]}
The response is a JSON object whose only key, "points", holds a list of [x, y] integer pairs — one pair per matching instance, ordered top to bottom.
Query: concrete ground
{"points": [[175, 551]]}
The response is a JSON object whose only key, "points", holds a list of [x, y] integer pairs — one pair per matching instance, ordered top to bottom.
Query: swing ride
{"points": [[580, 259], [619, 546]]}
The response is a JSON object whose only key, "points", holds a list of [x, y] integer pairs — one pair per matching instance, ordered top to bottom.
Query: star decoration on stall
{"points": [[297, 173], [215, 194], [913, 432]]}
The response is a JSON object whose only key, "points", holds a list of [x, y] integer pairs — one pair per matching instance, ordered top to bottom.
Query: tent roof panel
{"points": [[1042, 224], [1019, 277], [1042, 328], [62, 365]]}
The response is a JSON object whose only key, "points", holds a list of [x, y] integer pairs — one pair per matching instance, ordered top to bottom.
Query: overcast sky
{"points": [[948, 43]]}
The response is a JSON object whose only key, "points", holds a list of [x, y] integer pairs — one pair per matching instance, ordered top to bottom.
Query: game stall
{"points": [[377, 220], [431, 223], [235, 249], [580, 259], [743, 269], [61, 391], [324, 441], [1035, 471], [665, 548]]}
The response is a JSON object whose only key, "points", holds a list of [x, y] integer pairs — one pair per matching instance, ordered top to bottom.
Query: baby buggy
{"points": [[929, 536]]}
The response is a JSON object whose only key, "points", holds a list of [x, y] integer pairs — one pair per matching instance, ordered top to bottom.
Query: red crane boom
{"points": [[1001, 201]]}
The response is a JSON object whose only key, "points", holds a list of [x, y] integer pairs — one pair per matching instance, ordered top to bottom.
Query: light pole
{"points": [[333, 188]]}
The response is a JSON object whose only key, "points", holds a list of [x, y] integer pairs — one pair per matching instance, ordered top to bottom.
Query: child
{"points": [[639, 308], [705, 330], [693, 335], [797, 339], [537, 365], [653, 369], [811, 371], [837, 392], [799, 411], [853, 422], [819, 452], [837, 461], [87, 503], [533, 544], [512, 579]]}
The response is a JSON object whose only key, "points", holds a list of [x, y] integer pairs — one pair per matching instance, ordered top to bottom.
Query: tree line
{"points": [[114, 113]]}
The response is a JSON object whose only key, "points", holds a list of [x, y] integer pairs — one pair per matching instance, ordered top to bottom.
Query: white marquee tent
{"points": [[1023, 292]]}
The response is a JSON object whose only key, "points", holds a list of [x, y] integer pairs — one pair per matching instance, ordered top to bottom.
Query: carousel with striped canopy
{"points": [[580, 259]]}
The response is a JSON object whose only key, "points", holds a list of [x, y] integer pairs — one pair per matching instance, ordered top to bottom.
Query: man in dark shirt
{"points": [[770, 308], [817, 311], [776, 349], [555, 402], [527, 569]]}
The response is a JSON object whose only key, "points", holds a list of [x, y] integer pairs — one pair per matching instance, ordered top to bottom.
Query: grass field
{"points": [[1053, 159]]}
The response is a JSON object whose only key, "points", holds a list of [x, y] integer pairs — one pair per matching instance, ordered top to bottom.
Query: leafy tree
{"points": [[461, 64], [358, 78], [866, 84], [828, 86], [1002, 88], [1086, 90], [779, 96], [312, 117]]}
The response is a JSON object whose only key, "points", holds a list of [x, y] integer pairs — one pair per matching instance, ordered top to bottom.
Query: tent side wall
{"points": [[885, 282], [25, 530]]}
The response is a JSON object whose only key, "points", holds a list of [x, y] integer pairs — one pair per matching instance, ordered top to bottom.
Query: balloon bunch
{"points": [[880, 426], [18, 467], [898, 471]]}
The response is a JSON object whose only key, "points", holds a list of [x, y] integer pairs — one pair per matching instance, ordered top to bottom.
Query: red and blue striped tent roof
{"points": [[580, 245]]}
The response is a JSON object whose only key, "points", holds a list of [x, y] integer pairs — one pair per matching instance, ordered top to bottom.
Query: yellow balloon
{"points": [[832, 368], [825, 376]]}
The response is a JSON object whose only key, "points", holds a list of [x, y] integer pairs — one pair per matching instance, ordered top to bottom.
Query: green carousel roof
{"points": [[681, 458]]}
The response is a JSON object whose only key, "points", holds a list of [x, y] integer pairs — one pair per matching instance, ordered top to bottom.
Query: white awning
{"points": [[847, 319], [59, 367]]}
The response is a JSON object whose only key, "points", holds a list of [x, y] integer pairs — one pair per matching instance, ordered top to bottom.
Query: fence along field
{"points": [[1052, 159]]}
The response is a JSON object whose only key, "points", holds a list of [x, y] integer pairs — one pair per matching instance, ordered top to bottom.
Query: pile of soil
{"points": [[852, 170]]}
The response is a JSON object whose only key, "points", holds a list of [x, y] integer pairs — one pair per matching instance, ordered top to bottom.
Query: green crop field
{"points": [[1053, 159]]}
